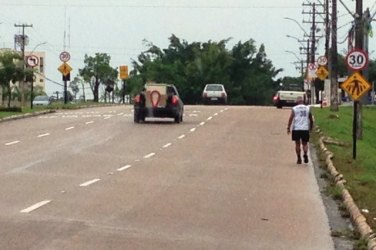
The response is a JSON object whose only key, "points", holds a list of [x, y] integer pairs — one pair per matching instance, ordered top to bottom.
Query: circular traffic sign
{"points": [[64, 56], [357, 59], [322, 60], [32, 61]]}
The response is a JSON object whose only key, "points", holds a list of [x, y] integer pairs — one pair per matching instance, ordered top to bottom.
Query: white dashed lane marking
{"points": [[209, 118], [90, 122], [202, 123], [70, 128], [193, 129], [43, 135], [181, 137], [11, 143], [167, 145], [149, 155], [123, 168], [88, 183], [35, 206]]}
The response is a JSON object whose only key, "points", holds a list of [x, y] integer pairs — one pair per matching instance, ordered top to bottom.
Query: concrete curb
{"points": [[16, 117], [356, 216]]}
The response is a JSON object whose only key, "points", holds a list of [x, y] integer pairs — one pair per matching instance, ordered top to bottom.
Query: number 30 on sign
{"points": [[357, 59]]}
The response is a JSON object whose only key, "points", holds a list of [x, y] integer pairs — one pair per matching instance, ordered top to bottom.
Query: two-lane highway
{"points": [[225, 178]]}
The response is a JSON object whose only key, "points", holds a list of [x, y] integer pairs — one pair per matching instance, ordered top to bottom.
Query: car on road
{"points": [[214, 93], [41, 100], [159, 100]]}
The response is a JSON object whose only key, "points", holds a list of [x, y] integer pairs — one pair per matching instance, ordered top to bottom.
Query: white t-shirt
{"points": [[301, 117]]}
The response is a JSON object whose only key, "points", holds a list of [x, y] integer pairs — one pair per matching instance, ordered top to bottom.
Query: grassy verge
{"points": [[53, 106], [360, 173]]}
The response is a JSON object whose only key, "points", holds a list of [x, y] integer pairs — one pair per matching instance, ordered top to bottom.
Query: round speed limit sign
{"points": [[357, 59]]}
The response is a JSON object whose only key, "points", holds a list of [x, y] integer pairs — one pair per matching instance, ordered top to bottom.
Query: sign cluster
{"points": [[65, 68], [356, 86]]}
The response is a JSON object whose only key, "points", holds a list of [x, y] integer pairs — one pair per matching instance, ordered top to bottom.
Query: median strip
{"points": [[35, 206]]}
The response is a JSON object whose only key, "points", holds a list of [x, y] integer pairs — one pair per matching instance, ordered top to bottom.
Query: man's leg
{"points": [[297, 150], [305, 151]]}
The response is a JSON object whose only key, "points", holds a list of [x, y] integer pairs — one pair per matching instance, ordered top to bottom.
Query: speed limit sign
{"points": [[357, 59]]}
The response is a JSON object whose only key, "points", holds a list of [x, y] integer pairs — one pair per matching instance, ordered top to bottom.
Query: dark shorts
{"points": [[300, 135]]}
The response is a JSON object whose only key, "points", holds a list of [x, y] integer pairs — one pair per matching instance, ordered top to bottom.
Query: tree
{"points": [[99, 68], [11, 71], [246, 73], [73, 85]]}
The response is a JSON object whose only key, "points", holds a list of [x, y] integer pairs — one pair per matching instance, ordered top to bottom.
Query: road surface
{"points": [[225, 178]]}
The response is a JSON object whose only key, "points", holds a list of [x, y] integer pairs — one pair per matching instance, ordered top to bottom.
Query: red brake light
{"points": [[137, 99], [175, 100]]}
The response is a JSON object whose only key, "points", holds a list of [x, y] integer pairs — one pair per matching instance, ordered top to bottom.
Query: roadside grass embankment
{"points": [[359, 173]]}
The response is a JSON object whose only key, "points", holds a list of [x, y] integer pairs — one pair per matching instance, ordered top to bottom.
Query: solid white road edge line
{"points": [[69, 128], [43, 135], [11, 143], [167, 145], [149, 155], [123, 168], [85, 184], [35, 206]]}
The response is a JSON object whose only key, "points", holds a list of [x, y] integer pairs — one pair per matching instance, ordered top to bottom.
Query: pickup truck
{"points": [[285, 98]]}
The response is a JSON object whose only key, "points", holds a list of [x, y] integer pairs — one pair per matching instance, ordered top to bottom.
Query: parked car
{"points": [[214, 93], [41, 100], [158, 100]]}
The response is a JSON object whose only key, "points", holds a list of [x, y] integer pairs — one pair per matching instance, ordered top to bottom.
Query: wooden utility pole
{"points": [[359, 33], [23, 41], [334, 61]]}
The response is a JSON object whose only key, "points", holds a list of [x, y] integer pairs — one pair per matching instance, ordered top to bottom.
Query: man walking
{"points": [[301, 121]]}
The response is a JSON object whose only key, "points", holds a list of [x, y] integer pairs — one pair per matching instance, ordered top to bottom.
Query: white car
{"points": [[214, 93], [41, 100]]}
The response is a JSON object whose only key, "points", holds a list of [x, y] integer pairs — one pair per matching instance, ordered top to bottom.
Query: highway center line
{"points": [[90, 122], [69, 128], [43, 135], [181, 137], [11, 143], [167, 145], [149, 155], [123, 168], [85, 184], [35, 206]]}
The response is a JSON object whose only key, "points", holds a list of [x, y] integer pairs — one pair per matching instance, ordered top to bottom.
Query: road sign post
{"points": [[32, 61], [65, 70], [356, 86]]}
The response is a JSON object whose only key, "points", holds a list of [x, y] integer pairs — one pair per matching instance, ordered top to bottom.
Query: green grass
{"points": [[360, 173]]}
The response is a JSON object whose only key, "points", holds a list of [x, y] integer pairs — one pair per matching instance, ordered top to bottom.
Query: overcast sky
{"points": [[118, 27]]}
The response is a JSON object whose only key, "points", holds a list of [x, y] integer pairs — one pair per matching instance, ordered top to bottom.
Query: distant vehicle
{"points": [[214, 93], [288, 94], [41, 100], [158, 100]]}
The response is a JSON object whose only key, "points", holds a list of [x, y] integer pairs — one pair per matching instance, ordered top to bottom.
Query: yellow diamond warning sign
{"points": [[65, 69], [322, 72], [356, 86]]}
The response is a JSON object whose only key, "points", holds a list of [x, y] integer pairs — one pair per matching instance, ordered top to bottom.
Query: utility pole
{"points": [[313, 13], [359, 35], [23, 41], [334, 61]]}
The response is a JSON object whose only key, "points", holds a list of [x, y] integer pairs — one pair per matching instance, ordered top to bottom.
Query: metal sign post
{"points": [[32, 61], [356, 86]]}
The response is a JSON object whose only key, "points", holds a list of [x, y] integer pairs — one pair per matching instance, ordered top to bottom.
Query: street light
{"points": [[300, 26], [297, 39], [36, 46], [300, 61]]}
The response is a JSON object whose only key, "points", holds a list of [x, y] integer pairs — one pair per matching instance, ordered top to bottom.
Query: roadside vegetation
{"points": [[360, 173]]}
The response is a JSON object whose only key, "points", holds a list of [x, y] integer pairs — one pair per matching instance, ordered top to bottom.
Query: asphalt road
{"points": [[225, 178]]}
